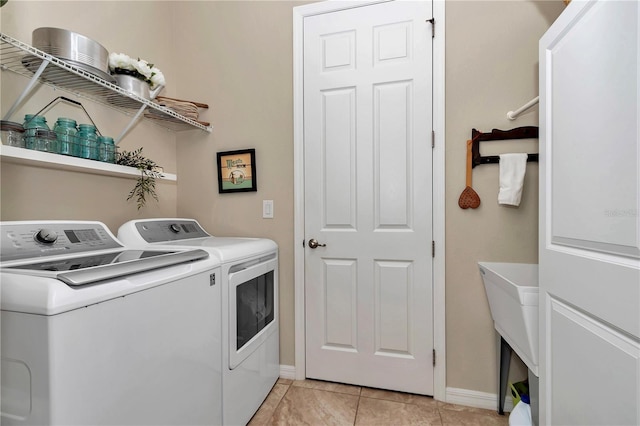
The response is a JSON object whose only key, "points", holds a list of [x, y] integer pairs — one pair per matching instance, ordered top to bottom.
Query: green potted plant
{"points": [[146, 182]]}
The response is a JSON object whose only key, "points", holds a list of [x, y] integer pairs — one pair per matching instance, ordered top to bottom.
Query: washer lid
{"points": [[82, 270]]}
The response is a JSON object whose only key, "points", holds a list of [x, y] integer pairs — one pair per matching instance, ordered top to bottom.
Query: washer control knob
{"points": [[174, 227], [46, 236]]}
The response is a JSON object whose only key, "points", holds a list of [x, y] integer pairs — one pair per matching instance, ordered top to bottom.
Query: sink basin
{"points": [[512, 290]]}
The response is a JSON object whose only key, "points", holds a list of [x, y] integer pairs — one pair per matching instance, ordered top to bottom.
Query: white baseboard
{"points": [[288, 372], [477, 399]]}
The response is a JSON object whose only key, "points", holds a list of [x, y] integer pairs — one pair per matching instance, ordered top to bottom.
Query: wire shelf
{"points": [[26, 60]]}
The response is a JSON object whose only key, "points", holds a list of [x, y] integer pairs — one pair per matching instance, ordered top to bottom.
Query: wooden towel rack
{"points": [[526, 132]]}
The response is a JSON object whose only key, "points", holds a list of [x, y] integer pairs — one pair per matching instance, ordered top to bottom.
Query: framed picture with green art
{"points": [[237, 171]]}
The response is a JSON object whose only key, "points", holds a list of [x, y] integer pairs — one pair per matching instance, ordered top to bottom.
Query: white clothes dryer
{"points": [[250, 333], [101, 334]]}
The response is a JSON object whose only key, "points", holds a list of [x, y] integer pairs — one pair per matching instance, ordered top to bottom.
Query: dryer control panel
{"points": [[166, 230]]}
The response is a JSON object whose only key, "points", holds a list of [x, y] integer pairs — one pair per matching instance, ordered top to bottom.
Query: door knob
{"points": [[313, 243]]}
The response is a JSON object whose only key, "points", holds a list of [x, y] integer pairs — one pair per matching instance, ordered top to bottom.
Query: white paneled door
{"points": [[368, 195], [590, 216]]}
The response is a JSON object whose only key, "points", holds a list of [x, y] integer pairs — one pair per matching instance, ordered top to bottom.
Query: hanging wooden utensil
{"points": [[469, 198]]}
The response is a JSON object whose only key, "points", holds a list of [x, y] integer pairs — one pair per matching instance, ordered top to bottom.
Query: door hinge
{"points": [[432, 21], [433, 139], [433, 249], [212, 280], [434, 357]]}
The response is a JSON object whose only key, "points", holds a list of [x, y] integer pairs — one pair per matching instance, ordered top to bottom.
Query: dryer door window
{"points": [[254, 307]]}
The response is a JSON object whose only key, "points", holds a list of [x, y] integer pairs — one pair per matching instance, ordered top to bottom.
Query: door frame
{"points": [[438, 202]]}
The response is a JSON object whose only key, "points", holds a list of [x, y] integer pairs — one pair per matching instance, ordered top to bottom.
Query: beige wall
{"points": [[244, 52], [237, 57], [491, 68], [37, 193]]}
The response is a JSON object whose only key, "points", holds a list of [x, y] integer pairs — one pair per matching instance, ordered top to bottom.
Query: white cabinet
{"points": [[589, 220]]}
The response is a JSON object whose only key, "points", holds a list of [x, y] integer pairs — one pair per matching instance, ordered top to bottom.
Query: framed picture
{"points": [[237, 171]]}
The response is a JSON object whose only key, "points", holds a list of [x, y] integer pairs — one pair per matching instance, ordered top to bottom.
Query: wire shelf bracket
{"points": [[26, 60]]}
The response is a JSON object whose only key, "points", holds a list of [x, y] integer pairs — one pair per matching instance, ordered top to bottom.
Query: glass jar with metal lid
{"points": [[31, 124], [12, 133], [46, 140]]}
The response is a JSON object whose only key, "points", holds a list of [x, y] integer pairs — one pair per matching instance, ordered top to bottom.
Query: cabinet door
{"points": [[589, 216]]}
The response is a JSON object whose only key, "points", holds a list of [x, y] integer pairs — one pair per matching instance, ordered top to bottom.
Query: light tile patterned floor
{"points": [[312, 402]]}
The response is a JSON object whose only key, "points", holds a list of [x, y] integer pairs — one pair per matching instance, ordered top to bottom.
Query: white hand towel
{"points": [[512, 169]]}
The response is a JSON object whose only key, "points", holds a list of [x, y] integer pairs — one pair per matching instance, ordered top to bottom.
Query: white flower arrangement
{"points": [[119, 63]]}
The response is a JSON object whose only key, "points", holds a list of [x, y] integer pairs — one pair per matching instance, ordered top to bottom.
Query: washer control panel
{"points": [[160, 231], [28, 240]]}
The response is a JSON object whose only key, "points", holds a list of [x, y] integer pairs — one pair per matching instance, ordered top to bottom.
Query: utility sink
{"points": [[512, 290]]}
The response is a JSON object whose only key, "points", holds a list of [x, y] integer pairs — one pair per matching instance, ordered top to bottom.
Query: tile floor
{"points": [[312, 402]]}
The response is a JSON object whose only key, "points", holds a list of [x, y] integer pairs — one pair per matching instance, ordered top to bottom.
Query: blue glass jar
{"points": [[31, 124], [66, 131], [87, 141], [106, 149]]}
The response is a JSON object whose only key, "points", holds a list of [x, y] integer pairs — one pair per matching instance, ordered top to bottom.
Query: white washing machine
{"points": [[94, 333], [250, 334]]}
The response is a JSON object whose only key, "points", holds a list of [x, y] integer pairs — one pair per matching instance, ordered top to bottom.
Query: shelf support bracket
{"points": [[26, 90], [131, 123]]}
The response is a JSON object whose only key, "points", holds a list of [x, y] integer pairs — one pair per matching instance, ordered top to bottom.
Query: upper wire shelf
{"points": [[25, 60]]}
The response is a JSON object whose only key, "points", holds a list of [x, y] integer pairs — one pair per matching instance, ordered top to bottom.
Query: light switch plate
{"points": [[267, 209]]}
